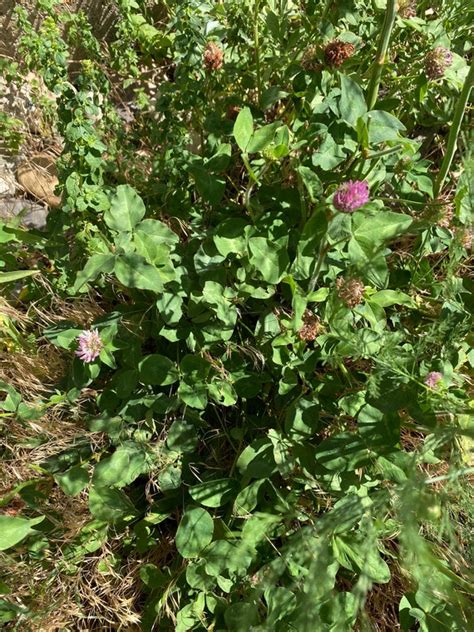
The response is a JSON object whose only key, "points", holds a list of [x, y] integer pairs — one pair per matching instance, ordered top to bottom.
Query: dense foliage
{"points": [[271, 399]]}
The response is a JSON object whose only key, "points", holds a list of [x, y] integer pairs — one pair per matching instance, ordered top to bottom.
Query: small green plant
{"points": [[11, 132], [271, 395]]}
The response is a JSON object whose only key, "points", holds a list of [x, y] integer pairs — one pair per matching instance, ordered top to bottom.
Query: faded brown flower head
{"points": [[407, 8], [336, 53], [213, 57], [309, 60], [436, 62], [232, 112], [444, 209], [465, 237], [350, 291], [311, 326]]}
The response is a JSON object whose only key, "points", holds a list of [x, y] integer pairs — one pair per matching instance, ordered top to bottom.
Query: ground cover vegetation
{"points": [[237, 363]]}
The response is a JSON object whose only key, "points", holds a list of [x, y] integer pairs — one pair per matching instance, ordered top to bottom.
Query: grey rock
{"points": [[7, 177], [32, 215]]}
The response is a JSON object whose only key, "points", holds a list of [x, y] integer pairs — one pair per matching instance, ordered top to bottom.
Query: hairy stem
{"points": [[373, 90], [454, 131]]}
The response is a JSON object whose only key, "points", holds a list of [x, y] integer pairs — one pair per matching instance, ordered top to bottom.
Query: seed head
{"points": [[407, 8], [336, 53], [213, 57], [309, 60], [436, 62], [232, 112], [351, 195], [442, 211], [465, 237], [350, 291], [311, 326], [90, 345], [433, 379]]}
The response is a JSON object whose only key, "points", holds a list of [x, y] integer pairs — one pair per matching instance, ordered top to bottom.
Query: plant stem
{"points": [[256, 40], [373, 89], [454, 131], [384, 152], [324, 248]]}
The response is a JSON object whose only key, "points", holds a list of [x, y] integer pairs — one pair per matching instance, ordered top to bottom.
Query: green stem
{"points": [[327, 9], [256, 39], [373, 90], [454, 131], [384, 152], [324, 248]]}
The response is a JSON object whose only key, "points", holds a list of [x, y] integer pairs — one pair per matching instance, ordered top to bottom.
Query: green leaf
{"points": [[352, 103], [383, 126], [243, 128], [262, 138], [328, 155], [311, 182], [210, 186], [126, 209], [375, 229], [158, 231], [229, 237], [309, 244], [270, 259], [97, 264], [133, 271], [15, 275], [386, 298], [170, 306], [62, 334], [158, 370], [194, 395], [182, 436], [256, 460], [122, 467], [73, 480], [214, 493], [247, 498], [110, 504], [13, 530], [194, 532], [224, 557], [368, 561], [152, 576], [197, 577], [241, 617]]}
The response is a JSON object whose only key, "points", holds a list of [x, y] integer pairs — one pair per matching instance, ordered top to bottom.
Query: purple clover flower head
{"points": [[351, 195], [90, 345], [433, 379]]}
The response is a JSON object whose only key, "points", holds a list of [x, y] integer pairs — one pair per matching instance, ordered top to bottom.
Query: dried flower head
{"points": [[407, 8], [336, 53], [213, 57], [309, 60], [436, 62], [232, 112], [351, 195], [443, 211], [465, 237], [350, 291], [311, 326], [90, 345], [433, 379]]}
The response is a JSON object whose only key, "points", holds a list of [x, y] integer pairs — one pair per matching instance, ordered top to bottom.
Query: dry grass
{"points": [[382, 603]]}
